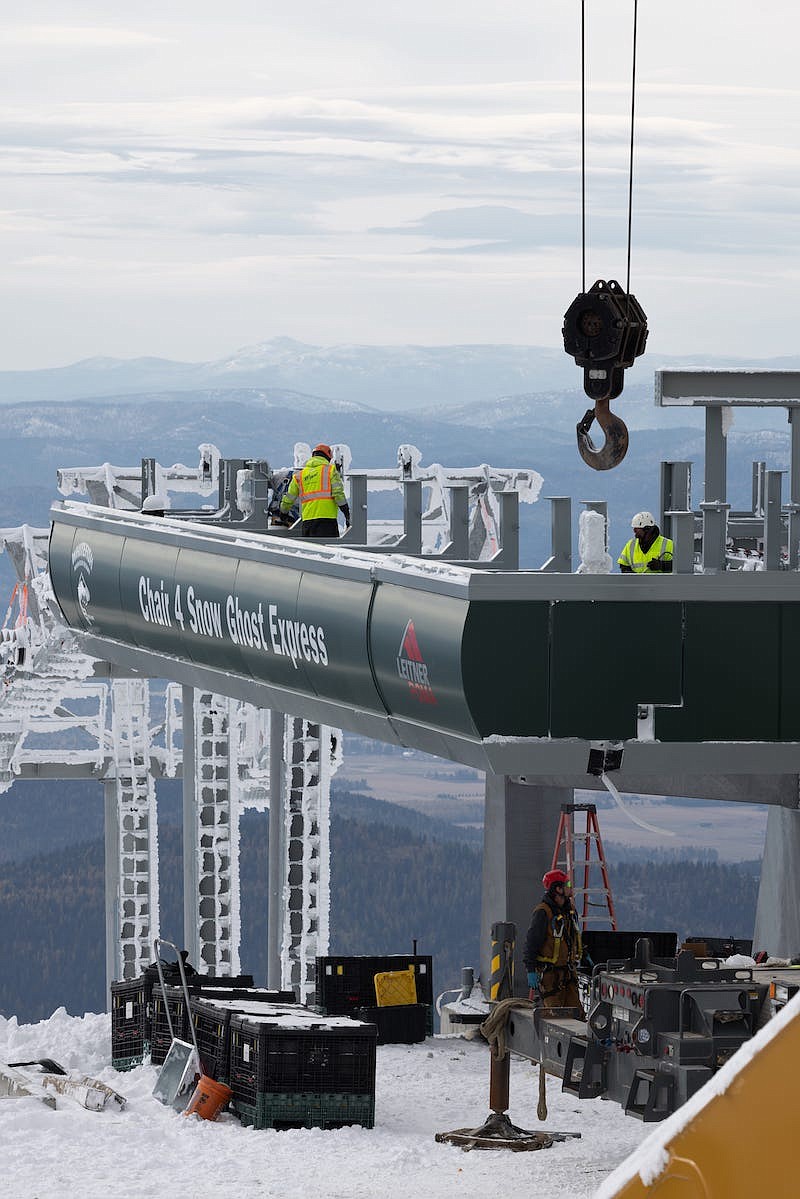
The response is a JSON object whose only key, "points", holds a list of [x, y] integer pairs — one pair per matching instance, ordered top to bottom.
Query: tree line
{"points": [[390, 884]]}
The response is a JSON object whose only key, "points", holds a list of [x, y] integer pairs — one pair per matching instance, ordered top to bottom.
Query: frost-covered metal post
{"points": [[312, 754], [211, 835], [132, 915]]}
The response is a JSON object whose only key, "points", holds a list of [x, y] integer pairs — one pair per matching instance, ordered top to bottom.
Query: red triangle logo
{"points": [[409, 646]]}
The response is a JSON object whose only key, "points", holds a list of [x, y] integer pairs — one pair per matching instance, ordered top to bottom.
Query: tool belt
{"points": [[561, 975]]}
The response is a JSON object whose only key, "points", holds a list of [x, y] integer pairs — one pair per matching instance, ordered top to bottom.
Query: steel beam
{"points": [[700, 387]]}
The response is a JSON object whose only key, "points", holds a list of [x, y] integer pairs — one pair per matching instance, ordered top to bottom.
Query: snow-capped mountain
{"points": [[400, 378]]}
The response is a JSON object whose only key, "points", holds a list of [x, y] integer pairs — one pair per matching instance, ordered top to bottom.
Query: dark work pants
{"points": [[321, 526]]}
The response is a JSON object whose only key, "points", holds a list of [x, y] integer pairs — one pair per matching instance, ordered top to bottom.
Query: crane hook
{"points": [[605, 329], [616, 443]]}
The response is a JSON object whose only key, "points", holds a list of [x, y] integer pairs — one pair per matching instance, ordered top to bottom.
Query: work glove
{"points": [[346, 513], [655, 564], [533, 980]]}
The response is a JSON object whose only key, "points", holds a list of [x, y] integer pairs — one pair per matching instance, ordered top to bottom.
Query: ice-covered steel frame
{"points": [[778, 524]]}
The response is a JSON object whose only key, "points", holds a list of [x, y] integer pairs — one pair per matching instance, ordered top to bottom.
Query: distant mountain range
{"points": [[388, 378], [536, 431]]}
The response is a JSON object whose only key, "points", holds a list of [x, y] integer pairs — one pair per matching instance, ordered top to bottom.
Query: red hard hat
{"points": [[324, 449], [552, 877]]}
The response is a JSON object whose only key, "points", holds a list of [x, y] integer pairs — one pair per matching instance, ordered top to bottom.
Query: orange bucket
{"points": [[208, 1099]]}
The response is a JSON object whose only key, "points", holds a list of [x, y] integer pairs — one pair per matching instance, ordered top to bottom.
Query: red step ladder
{"points": [[574, 863]]}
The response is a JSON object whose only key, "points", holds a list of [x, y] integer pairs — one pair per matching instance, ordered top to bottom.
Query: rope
{"points": [[583, 148], [630, 167], [495, 1024], [541, 1107]]}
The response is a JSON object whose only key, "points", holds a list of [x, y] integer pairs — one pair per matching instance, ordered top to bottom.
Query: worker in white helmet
{"points": [[647, 550]]}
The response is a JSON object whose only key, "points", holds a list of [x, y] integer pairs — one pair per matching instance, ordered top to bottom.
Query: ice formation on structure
{"points": [[62, 710], [54, 721]]}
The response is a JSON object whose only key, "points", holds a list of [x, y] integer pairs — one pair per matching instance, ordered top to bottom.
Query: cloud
{"points": [[83, 37]]}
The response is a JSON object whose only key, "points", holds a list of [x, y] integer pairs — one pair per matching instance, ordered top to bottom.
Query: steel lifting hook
{"points": [[605, 329], [616, 444]]}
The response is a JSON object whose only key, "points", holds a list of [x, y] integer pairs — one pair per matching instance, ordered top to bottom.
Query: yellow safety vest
{"points": [[318, 487], [634, 556]]}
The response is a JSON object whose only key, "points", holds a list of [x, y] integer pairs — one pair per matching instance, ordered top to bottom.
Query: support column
{"points": [[277, 726], [310, 762], [111, 827], [136, 827], [519, 832], [216, 837], [777, 928], [191, 938]]}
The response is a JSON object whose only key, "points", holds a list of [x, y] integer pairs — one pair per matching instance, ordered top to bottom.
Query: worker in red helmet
{"points": [[320, 490], [553, 945]]}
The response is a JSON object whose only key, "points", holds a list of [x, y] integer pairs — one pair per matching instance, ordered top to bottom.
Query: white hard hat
{"points": [[155, 503], [643, 520]]}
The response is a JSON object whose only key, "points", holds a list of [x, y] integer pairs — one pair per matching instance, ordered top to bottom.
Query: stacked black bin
{"points": [[346, 984], [301, 1070]]}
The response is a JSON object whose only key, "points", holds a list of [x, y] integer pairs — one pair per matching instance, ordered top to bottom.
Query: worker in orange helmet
{"points": [[320, 490], [553, 945]]}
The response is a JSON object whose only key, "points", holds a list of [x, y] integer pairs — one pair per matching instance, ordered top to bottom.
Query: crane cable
{"points": [[583, 146]]}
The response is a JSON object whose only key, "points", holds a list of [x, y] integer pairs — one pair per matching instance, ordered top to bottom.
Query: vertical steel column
{"points": [[759, 470], [716, 473], [676, 488], [794, 490], [458, 499], [358, 509], [773, 526], [508, 529], [560, 535], [682, 537], [411, 541], [137, 825], [519, 831], [216, 840], [275, 878], [777, 926], [305, 930], [191, 938], [114, 965]]}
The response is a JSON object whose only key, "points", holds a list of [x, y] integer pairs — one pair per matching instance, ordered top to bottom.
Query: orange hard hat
{"points": [[324, 449]]}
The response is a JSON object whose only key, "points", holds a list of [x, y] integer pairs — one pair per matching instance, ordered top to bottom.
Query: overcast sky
{"points": [[184, 179]]}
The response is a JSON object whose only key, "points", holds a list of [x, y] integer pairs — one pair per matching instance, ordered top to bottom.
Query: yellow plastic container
{"points": [[393, 988]]}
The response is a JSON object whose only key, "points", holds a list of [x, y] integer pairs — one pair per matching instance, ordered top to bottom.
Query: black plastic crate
{"points": [[603, 945], [344, 984], [211, 1015], [130, 1023], [401, 1024], [313, 1057], [307, 1111]]}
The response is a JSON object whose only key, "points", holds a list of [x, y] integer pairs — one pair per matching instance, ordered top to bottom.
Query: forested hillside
{"points": [[390, 882]]}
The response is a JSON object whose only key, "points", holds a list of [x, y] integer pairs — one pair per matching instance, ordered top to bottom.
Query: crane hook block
{"points": [[605, 329]]}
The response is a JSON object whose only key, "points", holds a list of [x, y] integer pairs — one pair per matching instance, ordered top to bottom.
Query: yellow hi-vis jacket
{"points": [[319, 487], [634, 556]]}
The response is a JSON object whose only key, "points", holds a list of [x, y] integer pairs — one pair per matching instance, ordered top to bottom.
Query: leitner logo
{"points": [[82, 563], [412, 668]]}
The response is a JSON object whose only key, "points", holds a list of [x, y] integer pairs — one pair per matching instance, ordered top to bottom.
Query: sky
{"points": [[184, 180]]}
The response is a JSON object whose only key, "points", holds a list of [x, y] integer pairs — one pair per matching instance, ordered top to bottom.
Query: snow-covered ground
{"points": [[149, 1150]]}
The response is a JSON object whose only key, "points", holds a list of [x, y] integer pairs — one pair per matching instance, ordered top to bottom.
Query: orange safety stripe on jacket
{"points": [[324, 492]]}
